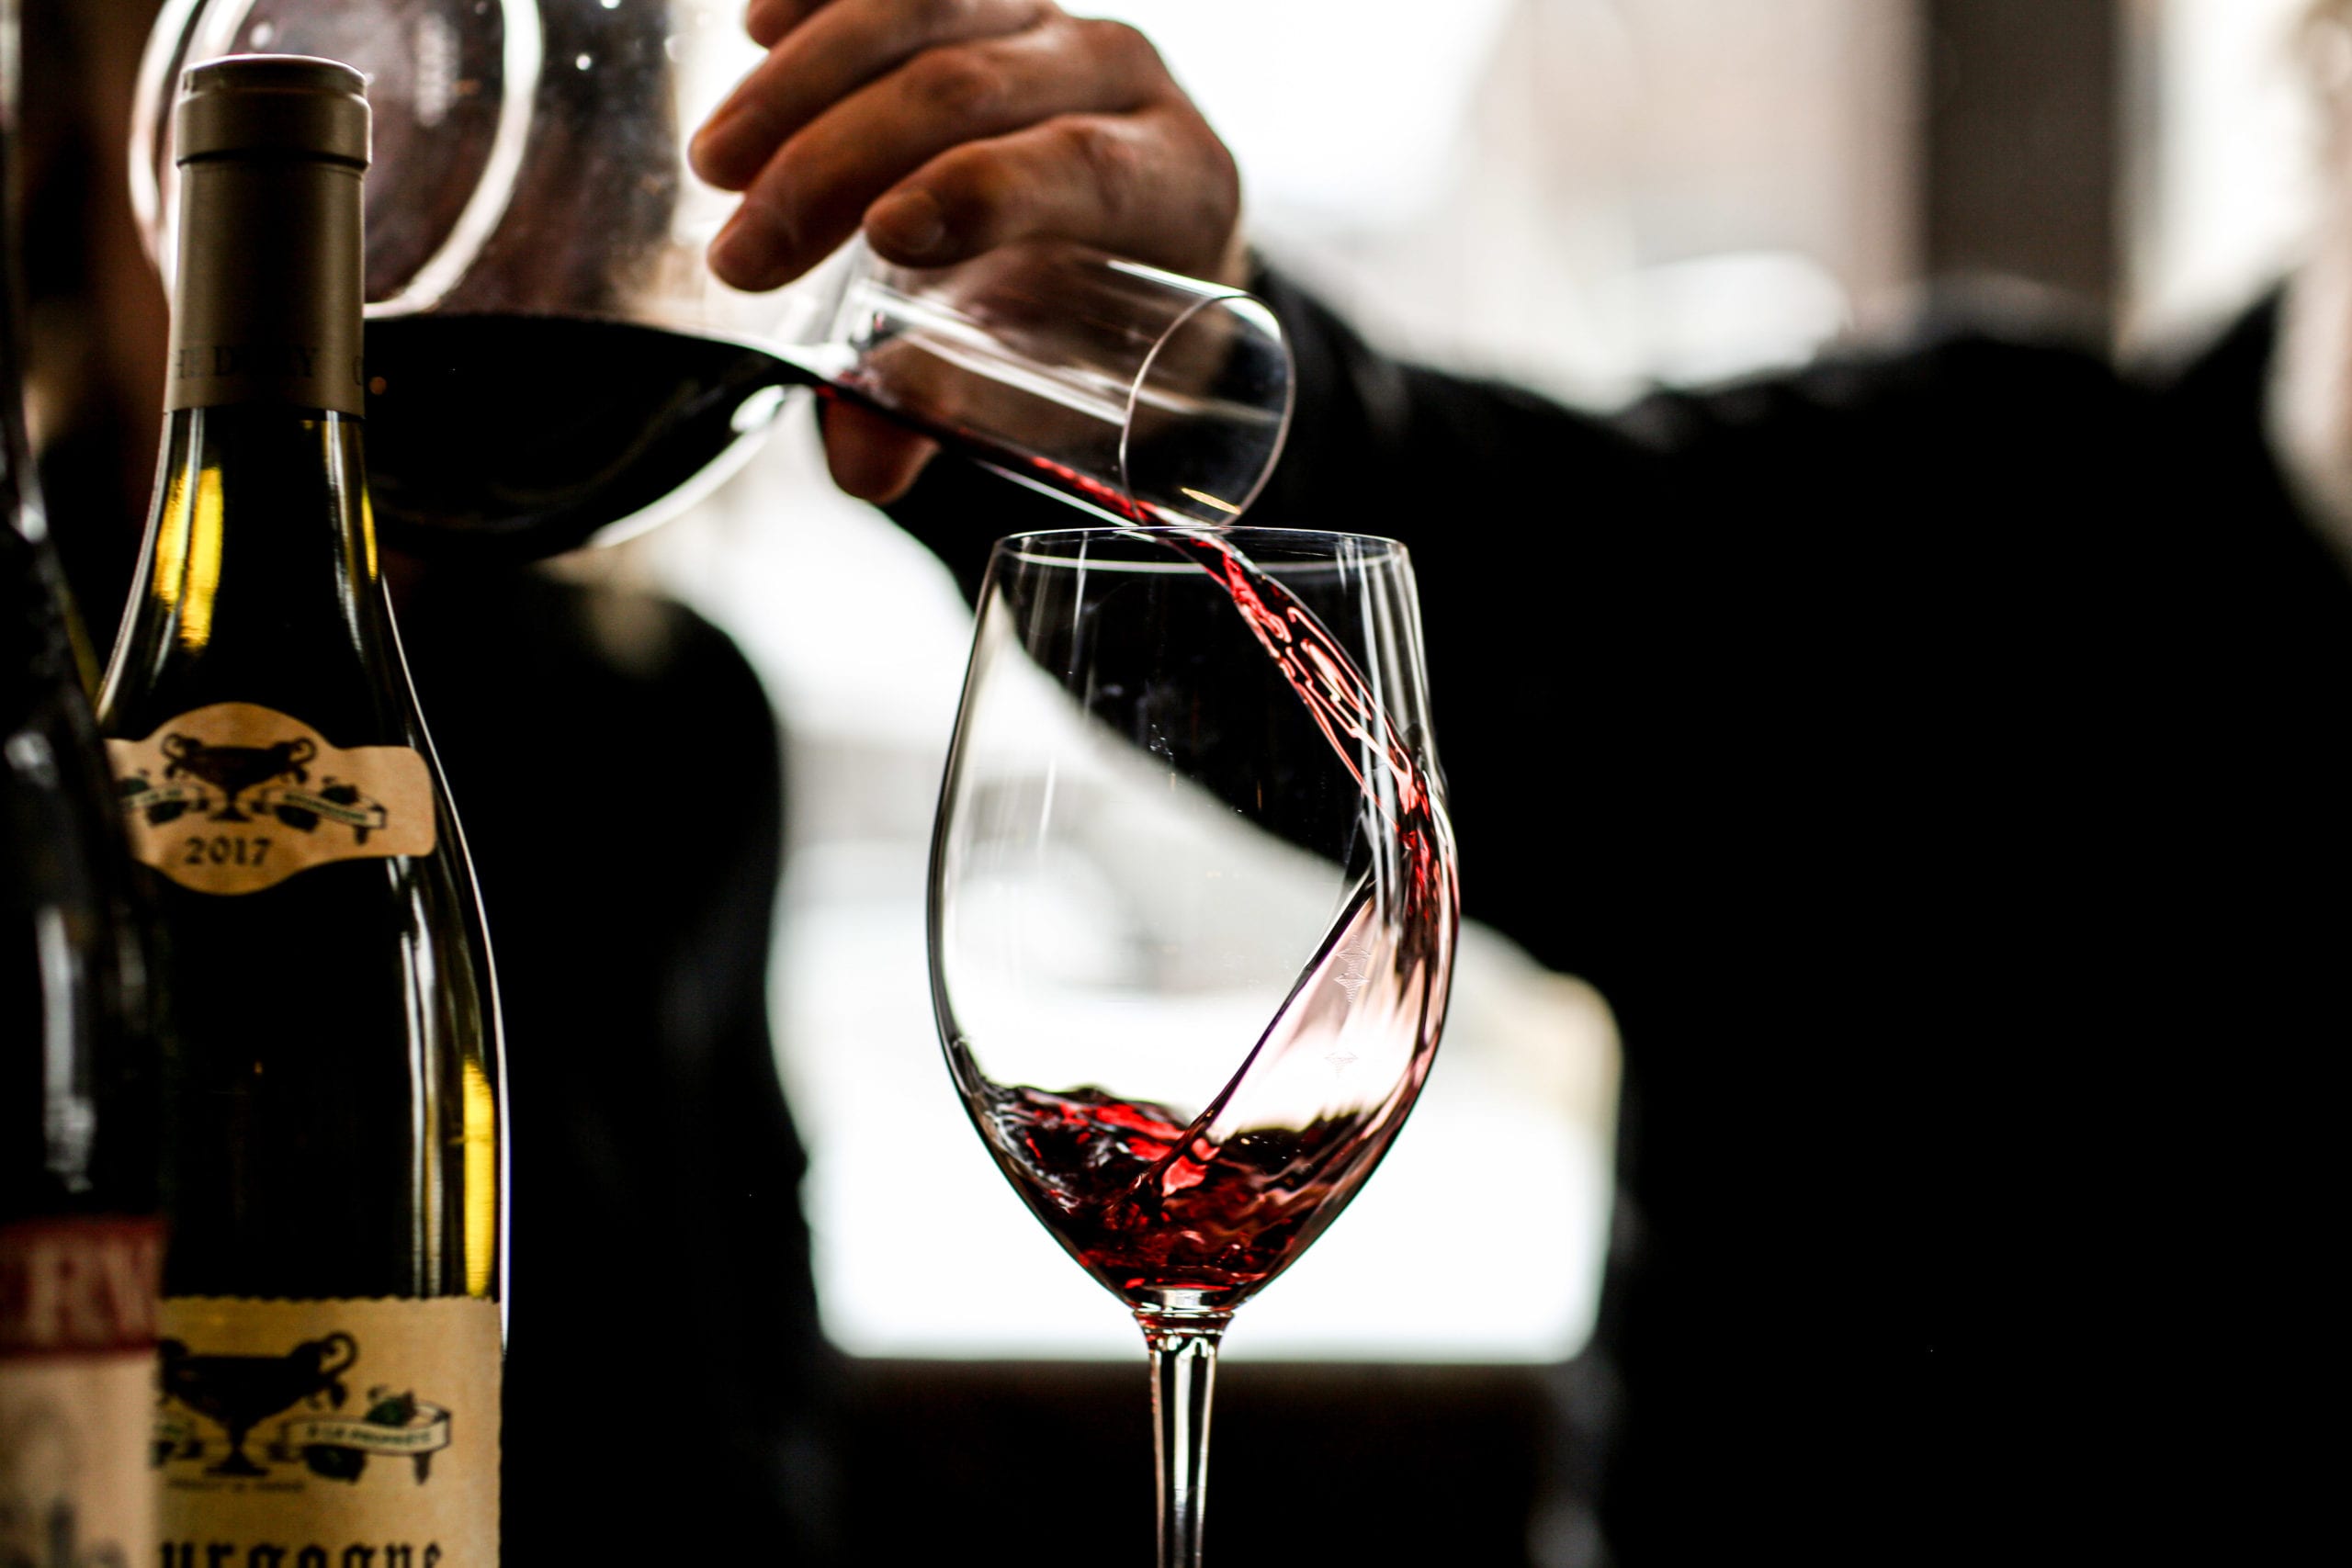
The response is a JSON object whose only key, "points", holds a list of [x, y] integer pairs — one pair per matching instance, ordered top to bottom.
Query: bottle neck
{"points": [[266, 304], [258, 580]]}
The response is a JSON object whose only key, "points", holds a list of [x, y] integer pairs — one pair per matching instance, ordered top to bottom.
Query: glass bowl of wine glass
{"points": [[1193, 913]]}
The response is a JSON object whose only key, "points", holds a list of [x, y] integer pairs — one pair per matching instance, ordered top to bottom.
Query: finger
{"points": [[768, 20], [838, 49], [1156, 187], [815, 191], [871, 458]]}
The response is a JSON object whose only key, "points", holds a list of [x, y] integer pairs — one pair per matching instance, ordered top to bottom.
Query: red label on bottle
{"points": [[74, 1286]]}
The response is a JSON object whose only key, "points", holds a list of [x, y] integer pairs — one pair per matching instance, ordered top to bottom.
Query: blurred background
{"points": [[1591, 196]]}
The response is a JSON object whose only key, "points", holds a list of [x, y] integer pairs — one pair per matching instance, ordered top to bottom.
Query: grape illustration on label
{"points": [[236, 797], [237, 1394]]}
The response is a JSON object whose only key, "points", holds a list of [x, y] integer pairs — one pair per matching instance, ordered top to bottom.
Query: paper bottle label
{"points": [[234, 798], [77, 1391], [316, 1434]]}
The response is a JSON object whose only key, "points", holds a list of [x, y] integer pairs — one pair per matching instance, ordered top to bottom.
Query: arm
{"points": [[1677, 591], [1682, 602], [654, 1156]]}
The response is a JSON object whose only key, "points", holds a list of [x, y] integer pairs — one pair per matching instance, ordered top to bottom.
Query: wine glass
{"points": [[551, 361], [1192, 912]]}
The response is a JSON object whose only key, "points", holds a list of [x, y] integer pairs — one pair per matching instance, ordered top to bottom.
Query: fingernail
{"points": [[910, 225], [753, 251]]}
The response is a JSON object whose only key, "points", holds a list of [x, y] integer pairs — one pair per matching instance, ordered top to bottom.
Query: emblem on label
{"points": [[234, 798], [240, 1392], [328, 1433]]}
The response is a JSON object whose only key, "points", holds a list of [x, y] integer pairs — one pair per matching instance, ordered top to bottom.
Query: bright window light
{"points": [[1351, 114], [2232, 173], [907, 1209]]}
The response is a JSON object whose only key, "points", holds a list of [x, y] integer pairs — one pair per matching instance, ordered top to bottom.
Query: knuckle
{"points": [[930, 18], [768, 20], [1122, 46], [959, 83], [1109, 161], [1207, 162], [1224, 171], [974, 189]]}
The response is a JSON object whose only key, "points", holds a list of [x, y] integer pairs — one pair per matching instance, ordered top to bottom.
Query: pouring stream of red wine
{"points": [[1150, 1202], [1194, 1215]]}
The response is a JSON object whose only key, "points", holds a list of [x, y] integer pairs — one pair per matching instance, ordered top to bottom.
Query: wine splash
{"points": [[1188, 1218]]}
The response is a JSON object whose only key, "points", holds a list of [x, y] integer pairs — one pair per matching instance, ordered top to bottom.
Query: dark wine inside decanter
{"points": [[524, 436]]}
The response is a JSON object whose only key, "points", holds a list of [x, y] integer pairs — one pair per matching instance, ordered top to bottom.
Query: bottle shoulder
{"points": [[258, 582]]}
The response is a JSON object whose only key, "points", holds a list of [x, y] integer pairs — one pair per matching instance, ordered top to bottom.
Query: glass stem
{"points": [[1183, 1376]]}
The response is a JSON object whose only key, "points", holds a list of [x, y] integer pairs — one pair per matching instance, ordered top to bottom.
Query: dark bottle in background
{"points": [[80, 1244], [332, 1326]]}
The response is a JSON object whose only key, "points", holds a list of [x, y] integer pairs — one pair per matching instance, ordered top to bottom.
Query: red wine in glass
{"points": [[1205, 1209]]}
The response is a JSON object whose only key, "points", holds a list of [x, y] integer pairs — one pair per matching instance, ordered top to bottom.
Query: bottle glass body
{"points": [[337, 1075], [334, 1145], [329, 1363]]}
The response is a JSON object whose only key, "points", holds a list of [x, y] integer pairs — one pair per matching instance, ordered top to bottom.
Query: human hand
{"points": [[946, 128]]}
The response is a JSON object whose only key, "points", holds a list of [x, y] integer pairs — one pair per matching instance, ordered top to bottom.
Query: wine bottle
{"points": [[79, 1242], [330, 1357]]}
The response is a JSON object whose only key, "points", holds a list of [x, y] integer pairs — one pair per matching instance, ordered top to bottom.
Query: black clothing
{"points": [[1933, 757], [619, 777]]}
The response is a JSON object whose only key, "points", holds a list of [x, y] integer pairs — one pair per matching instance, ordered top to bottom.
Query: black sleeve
{"points": [[1622, 596], [1928, 755], [620, 775]]}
